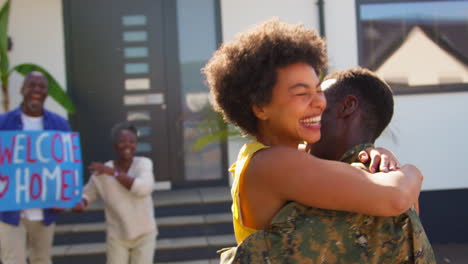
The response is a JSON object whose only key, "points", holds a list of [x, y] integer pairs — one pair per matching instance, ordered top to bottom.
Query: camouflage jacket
{"points": [[301, 234]]}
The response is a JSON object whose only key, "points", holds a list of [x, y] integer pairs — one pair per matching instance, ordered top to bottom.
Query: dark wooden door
{"points": [[125, 63]]}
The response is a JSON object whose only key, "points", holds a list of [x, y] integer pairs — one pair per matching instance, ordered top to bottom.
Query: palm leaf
{"points": [[4, 14], [4, 64], [55, 90], [213, 129], [214, 137]]}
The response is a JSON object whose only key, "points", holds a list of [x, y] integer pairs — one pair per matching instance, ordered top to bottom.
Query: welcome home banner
{"points": [[39, 169]]}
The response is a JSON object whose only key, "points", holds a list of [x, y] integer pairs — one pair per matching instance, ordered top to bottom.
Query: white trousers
{"points": [[30, 236], [131, 251]]}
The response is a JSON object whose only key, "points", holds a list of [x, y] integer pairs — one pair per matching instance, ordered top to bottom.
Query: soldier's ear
{"points": [[349, 106]]}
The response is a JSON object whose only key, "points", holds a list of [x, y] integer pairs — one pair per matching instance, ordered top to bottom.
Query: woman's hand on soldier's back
{"points": [[380, 159], [280, 174]]}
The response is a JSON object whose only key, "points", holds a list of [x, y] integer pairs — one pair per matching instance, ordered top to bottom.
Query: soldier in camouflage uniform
{"points": [[360, 106]]}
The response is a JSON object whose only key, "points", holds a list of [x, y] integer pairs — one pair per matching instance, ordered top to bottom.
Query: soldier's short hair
{"points": [[243, 72], [374, 94]]}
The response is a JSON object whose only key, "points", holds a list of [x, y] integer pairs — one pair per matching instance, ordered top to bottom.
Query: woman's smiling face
{"points": [[294, 112], [125, 145]]}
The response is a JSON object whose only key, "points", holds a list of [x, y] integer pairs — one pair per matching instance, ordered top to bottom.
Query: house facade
{"points": [[140, 61]]}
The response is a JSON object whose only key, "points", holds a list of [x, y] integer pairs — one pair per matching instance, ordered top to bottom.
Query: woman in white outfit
{"points": [[125, 186]]}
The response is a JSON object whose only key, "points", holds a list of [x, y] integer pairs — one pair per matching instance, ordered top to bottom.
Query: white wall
{"points": [[240, 15], [36, 28], [341, 34], [430, 132]]}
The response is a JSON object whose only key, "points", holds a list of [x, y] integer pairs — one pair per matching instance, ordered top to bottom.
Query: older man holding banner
{"points": [[40, 172]]}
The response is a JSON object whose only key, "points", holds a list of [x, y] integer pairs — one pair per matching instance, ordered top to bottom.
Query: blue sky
{"points": [[452, 10]]}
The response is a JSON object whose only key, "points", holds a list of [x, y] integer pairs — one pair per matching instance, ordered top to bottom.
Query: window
{"points": [[198, 35], [416, 46]]}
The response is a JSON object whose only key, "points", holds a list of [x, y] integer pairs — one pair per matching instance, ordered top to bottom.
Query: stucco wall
{"points": [[239, 15], [36, 28], [341, 34], [430, 132]]}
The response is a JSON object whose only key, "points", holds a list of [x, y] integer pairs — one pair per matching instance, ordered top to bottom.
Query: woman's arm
{"points": [[380, 159], [100, 169], [285, 174], [123, 178], [143, 183], [90, 191], [90, 194], [80, 206]]}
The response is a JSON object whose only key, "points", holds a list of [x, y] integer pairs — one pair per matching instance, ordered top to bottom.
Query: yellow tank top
{"points": [[237, 169]]}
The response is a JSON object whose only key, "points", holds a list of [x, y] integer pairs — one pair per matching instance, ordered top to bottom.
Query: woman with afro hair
{"points": [[266, 83]]}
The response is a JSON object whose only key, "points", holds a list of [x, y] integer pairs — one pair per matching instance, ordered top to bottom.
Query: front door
{"points": [[140, 61]]}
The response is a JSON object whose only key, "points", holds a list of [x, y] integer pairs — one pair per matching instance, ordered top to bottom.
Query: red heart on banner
{"points": [[4, 183]]}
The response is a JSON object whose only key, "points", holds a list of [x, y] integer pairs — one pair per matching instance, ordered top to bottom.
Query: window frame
{"points": [[403, 89]]}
